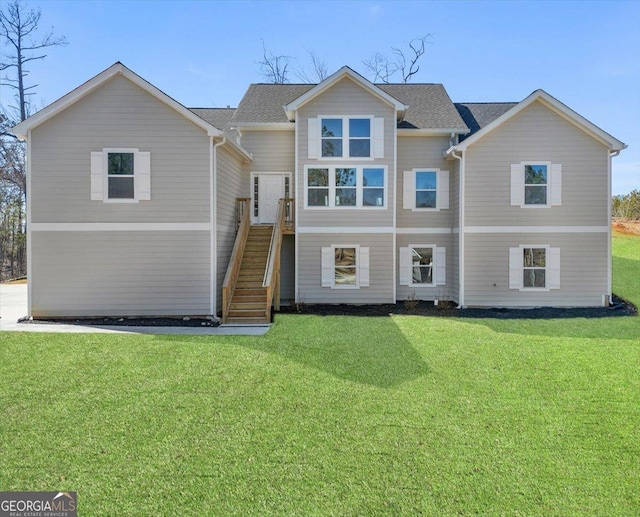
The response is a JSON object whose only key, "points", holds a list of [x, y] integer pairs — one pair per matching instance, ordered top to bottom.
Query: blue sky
{"points": [[205, 53]]}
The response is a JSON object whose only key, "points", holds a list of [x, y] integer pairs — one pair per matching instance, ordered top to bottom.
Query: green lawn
{"points": [[401, 415]]}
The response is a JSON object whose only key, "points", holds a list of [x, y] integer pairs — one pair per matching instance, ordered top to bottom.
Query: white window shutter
{"points": [[378, 137], [313, 138], [142, 175], [97, 176], [517, 184], [556, 184], [443, 189], [408, 190], [328, 266], [405, 266], [441, 266], [364, 267], [515, 268], [554, 268]]}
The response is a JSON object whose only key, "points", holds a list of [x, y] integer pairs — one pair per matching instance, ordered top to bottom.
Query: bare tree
{"points": [[18, 27], [20, 45], [274, 69], [382, 69], [316, 72]]}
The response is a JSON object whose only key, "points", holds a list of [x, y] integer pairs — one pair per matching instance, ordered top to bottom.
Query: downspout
{"points": [[460, 158], [609, 215], [213, 216], [29, 236]]}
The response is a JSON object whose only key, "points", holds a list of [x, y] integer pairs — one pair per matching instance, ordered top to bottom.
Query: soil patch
{"points": [[626, 226], [619, 307], [127, 322]]}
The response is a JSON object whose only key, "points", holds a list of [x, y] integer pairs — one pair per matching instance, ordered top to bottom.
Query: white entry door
{"points": [[270, 190]]}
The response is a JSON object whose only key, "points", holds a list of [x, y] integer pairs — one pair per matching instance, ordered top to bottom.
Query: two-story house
{"points": [[340, 192]]}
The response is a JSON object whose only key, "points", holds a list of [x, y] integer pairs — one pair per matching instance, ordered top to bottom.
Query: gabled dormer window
{"points": [[346, 137]]}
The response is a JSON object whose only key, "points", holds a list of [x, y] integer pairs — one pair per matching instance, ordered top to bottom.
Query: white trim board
{"points": [[120, 227], [345, 229], [536, 229], [422, 231]]}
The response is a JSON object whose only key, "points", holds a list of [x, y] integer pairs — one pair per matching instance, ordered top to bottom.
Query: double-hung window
{"points": [[345, 137], [120, 175], [536, 184], [373, 186], [345, 187], [425, 189], [423, 265], [345, 266], [534, 267]]}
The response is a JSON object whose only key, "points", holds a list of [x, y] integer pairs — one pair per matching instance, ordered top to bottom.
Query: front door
{"points": [[270, 190]]}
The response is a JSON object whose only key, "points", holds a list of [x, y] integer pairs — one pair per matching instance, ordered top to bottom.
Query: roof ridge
{"points": [[488, 102]]}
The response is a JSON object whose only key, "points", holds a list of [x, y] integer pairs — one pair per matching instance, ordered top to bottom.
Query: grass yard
{"points": [[335, 415]]}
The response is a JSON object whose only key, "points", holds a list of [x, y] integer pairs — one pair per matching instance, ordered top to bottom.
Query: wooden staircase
{"points": [[251, 286], [249, 299]]}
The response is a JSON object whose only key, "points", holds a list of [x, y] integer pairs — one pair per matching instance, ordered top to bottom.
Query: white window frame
{"points": [[346, 137], [99, 161], [105, 168], [525, 185], [553, 185], [332, 187], [442, 190], [334, 247], [412, 247], [546, 248], [439, 265], [328, 266], [552, 267]]}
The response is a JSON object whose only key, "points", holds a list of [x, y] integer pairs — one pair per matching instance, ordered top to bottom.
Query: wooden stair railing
{"points": [[272, 273], [228, 287]]}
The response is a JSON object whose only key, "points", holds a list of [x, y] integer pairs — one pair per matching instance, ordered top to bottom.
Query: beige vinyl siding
{"points": [[346, 98], [119, 115], [536, 133], [273, 151], [417, 152], [233, 182], [381, 251], [583, 270], [120, 273], [442, 292]]}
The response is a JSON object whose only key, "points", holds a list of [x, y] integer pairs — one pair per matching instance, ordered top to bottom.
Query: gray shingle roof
{"points": [[263, 102], [429, 104], [479, 114], [217, 117]]}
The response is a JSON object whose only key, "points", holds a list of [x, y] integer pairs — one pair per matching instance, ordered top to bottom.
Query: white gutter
{"points": [[460, 158], [213, 217]]}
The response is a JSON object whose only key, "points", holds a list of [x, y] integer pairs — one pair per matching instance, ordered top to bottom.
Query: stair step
{"points": [[249, 284], [245, 291], [262, 300], [237, 305], [248, 313]]}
